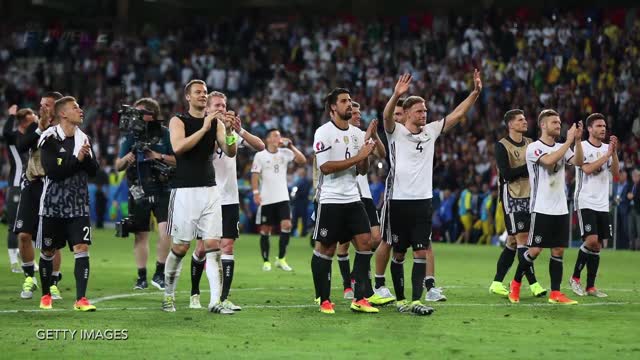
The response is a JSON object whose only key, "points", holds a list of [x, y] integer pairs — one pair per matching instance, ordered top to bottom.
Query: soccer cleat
{"points": [[282, 264], [266, 266], [16, 268], [158, 281], [141, 284], [28, 287], [576, 287], [498, 288], [537, 290], [55, 292], [514, 292], [595, 292], [348, 293], [384, 293], [435, 294], [380, 297], [557, 297], [316, 301], [45, 302], [194, 302], [168, 304], [227, 304], [83, 305], [363, 306], [403, 306], [327, 307], [220, 309], [420, 309]]}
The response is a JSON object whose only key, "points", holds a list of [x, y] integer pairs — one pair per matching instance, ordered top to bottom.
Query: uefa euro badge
{"points": [[323, 232], [538, 239]]}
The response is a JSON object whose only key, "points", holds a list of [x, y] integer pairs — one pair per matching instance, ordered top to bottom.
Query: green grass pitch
{"points": [[280, 321]]}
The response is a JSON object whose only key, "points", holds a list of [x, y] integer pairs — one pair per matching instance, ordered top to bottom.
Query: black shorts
{"points": [[12, 201], [371, 211], [141, 212], [272, 214], [27, 215], [230, 221], [517, 222], [593, 222], [339, 223], [407, 223], [548, 231], [55, 233]]}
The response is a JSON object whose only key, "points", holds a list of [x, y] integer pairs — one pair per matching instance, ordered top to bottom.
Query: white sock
{"points": [[13, 256], [172, 268], [214, 274]]}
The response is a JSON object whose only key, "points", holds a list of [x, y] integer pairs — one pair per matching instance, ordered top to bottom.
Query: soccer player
{"points": [[341, 152], [510, 152], [17, 160], [68, 161], [546, 161], [226, 173], [271, 194], [156, 195], [592, 201], [194, 207], [407, 210], [372, 212], [27, 219]]}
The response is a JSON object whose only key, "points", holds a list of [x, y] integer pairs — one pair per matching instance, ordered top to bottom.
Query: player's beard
{"points": [[346, 115]]}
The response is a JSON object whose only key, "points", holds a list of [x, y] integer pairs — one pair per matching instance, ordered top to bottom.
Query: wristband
{"points": [[38, 131], [242, 131], [231, 139], [256, 192]]}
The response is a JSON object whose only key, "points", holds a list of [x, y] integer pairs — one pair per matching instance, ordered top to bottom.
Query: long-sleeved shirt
{"points": [[17, 159]]}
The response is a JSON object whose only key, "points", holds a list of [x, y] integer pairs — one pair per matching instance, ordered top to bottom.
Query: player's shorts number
{"points": [[87, 233]]}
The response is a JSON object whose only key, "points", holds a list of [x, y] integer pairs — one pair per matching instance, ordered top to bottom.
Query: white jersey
{"points": [[331, 143], [411, 155], [272, 168], [226, 175], [547, 185], [363, 186], [592, 191]]}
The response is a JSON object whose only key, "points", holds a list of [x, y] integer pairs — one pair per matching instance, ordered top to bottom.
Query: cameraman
{"points": [[156, 194]]}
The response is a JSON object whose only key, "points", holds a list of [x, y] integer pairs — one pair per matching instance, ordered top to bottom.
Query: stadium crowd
{"points": [[276, 74]]}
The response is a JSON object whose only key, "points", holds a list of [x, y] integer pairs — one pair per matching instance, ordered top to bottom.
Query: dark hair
{"points": [[187, 88], [52, 95], [332, 97], [410, 101], [400, 102], [60, 103], [355, 104], [150, 105], [546, 113], [22, 114], [511, 114], [593, 117], [269, 131]]}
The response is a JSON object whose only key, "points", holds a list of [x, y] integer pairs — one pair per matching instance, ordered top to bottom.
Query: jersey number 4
{"points": [[419, 147]]}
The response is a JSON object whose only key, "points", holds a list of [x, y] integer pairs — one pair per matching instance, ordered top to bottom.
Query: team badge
{"points": [[516, 153], [19, 224], [520, 225], [587, 227], [324, 232], [394, 238], [538, 239], [48, 241]]}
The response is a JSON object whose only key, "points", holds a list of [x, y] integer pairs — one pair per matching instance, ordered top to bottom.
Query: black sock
{"points": [[284, 242], [264, 247], [581, 261], [593, 262], [504, 263], [228, 264], [361, 265], [197, 266], [321, 266], [525, 266], [46, 268], [159, 268], [28, 269], [345, 270], [81, 271], [315, 272], [555, 272], [142, 273], [417, 276], [55, 277], [397, 277], [380, 280], [429, 282]]}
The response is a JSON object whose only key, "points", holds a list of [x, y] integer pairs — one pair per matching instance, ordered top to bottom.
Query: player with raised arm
{"points": [[546, 160], [592, 201]]}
